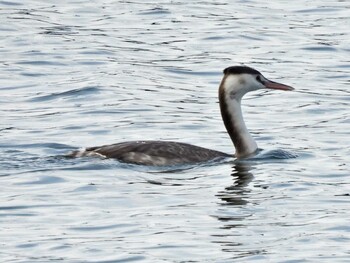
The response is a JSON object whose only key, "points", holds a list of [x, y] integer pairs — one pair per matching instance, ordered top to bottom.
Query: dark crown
{"points": [[241, 70]]}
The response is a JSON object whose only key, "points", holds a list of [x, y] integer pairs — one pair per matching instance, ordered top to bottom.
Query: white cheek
{"points": [[230, 81], [253, 84], [232, 85]]}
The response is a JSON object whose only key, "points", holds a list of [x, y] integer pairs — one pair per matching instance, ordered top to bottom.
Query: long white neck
{"points": [[231, 113]]}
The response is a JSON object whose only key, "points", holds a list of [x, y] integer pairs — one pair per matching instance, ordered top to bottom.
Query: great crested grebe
{"points": [[237, 81]]}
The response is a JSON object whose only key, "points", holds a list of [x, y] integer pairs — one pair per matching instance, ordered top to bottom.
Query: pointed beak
{"points": [[275, 85]]}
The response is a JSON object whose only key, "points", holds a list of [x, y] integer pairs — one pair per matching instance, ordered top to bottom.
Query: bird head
{"points": [[239, 80]]}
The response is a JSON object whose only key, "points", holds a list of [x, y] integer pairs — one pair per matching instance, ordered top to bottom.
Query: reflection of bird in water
{"points": [[237, 81], [235, 193]]}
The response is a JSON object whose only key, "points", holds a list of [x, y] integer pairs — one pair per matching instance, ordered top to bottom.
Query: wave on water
{"points": [[70, 93], [275, 154]]}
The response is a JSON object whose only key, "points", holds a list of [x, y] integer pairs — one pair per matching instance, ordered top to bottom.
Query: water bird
{"points": [[236, 82]]}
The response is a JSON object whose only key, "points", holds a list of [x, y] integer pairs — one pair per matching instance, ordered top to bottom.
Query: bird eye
{"points": [[258, 78]]}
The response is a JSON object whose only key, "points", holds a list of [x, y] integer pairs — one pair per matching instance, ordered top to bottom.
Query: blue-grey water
{"points": [[85, 73]]}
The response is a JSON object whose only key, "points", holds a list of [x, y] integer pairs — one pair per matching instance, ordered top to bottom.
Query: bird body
{"points": [[237, 81], [156, 153]]}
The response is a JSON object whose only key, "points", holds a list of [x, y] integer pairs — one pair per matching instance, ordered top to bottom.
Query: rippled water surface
{"points": [[86, 73]]}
